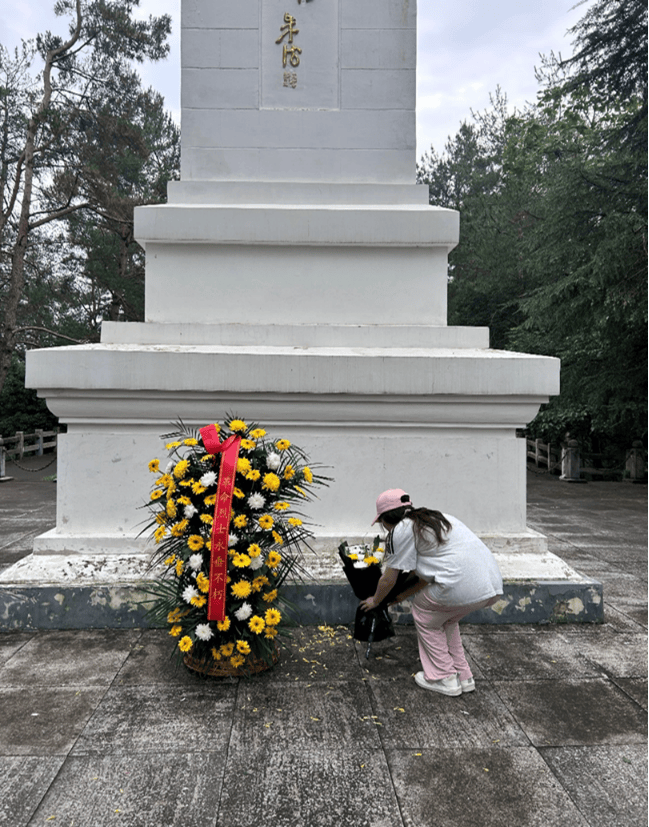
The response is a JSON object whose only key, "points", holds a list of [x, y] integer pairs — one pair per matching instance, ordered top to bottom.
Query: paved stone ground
{"points": [[100, 728]]}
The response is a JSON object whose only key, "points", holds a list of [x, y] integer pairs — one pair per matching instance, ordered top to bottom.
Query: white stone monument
{"points": [[297, 277]]}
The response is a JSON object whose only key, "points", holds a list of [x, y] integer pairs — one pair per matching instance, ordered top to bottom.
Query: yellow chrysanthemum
{"points": [[238, 426], [258, 433], [190, 441], [248, 444], [282, 444], [171, 445], [154, 466], [243, 466], [181, 469], [289, 472], [308, 474], [253, 475], [187, 482], [271, 482], [197, 488], [300, 490], [238, 493], [155, 495], [184, 500], [211, 500], [281, 506], [171, 508], [161, 518], [207, 519], [240, 521], [294, 521], [266, 522], [178, 529], [159, 534], [278, 539], [195, 542], [254, 550], [353, 556], [274, 559], [170, 560], [371, 560], [241, 561], [179, 568], [202, 582], [258, 583], [241, 589], [270, 596], [199, 601], [174, 616], [272, 617], [256, 624], [223, 625], [176, 630], [270, 632], [185, 643], [243, 647], [227, 649], [216, 654], [237, 661]]}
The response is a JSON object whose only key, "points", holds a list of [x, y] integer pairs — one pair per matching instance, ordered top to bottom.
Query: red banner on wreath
{"points": [[221, 525]]}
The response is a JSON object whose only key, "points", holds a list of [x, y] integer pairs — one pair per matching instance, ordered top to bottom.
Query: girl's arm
{"points": [[385, 584], [416, 587]]}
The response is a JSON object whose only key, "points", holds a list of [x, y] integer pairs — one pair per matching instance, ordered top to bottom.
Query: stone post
{"points": [[570, 462], [635, 463]]}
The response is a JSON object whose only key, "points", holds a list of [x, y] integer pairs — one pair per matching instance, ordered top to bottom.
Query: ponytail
{"points": [[425, 522]]}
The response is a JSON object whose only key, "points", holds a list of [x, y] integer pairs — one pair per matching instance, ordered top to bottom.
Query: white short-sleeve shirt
{"points": [[460, 571]]}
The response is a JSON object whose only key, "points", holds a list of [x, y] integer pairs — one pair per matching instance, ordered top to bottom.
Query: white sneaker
{"points": [[468, 685], [447, 686]]}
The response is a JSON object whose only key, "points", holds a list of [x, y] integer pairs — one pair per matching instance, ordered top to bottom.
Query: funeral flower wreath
{"points": [[236, 615]]}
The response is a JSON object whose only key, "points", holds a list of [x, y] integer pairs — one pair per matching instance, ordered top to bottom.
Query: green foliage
{"points": [[552, 253], [20, 408]]}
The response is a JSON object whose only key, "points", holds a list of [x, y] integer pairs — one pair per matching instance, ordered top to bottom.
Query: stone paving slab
{"points": [[515, 657], [48, 659], [574, 712], [411, 717], [136, 719], [40, 720], [21, 774], [608, 784], [346, 785], [485, 787], [150, 790]]}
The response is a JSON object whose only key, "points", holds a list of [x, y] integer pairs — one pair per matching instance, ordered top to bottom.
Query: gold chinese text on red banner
{"points": [[222, 509]]}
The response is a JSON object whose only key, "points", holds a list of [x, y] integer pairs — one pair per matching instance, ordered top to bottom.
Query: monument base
{"points": [[82, 591]]}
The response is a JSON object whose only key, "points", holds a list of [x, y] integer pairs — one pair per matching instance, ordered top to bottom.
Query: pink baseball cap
{"points": [[389, 500]]}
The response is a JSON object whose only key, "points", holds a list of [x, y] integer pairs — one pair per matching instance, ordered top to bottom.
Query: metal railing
{"points": [[15, 447]]}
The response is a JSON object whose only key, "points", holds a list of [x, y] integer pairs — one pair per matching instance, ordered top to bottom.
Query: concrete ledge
{"points": [[110, 605]]}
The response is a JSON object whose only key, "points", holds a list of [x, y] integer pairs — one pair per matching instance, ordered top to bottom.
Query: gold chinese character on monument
{"points": [[288, 28], [291, 54], [290, 79]]}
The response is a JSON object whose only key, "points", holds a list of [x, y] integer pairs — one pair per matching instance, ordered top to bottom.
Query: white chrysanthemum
{"points": [[273, 461], [170, 466], [209, 478], [256, 501], [189, 511], [232, 540], [379, 554], [195, 562], [256, 563], [360, 565], [188, 593], [244, 612], [203, 631]]}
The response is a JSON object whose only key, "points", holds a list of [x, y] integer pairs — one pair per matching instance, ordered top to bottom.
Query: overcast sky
{"points": [[466, 49]]}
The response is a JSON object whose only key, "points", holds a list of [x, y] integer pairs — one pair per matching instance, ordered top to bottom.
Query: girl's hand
{"points": [[369, 604]]}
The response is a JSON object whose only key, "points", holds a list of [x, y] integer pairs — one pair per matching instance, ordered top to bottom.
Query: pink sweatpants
{"points": [[438, 634]]}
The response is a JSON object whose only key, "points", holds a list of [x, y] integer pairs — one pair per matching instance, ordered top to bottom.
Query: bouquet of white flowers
{"points": [[362, 567]]}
